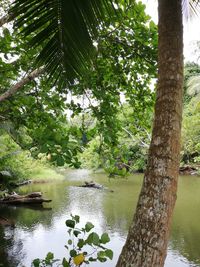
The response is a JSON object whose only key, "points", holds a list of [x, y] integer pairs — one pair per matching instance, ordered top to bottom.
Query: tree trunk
{"points": [[146, 244]]}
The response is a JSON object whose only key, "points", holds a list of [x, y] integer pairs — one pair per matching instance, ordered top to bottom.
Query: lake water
{"points": [[39, 231]]}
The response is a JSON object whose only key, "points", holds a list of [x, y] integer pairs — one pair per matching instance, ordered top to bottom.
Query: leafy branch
{"points": [[80, 242]]}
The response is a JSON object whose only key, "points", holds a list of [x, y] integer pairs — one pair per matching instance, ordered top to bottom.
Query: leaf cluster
{"points": [[83, 245]]}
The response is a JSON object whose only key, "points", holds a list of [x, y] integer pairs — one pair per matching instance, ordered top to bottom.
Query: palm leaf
{"points": [[191, 7], [64, 31]]}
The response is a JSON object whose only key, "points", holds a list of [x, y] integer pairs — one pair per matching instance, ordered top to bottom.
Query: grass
{"points": [[44, 174]]}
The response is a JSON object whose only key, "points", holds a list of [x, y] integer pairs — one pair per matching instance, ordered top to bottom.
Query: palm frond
{"points": [[191, 7], [64, 31]]}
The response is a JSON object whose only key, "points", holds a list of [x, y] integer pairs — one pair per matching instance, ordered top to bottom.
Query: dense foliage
{"points": [[38, 112], [104, 118], [191, 130], [131, 151]]}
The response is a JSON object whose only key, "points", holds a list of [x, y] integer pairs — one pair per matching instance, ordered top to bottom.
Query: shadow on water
{"points": [[39, 230]]}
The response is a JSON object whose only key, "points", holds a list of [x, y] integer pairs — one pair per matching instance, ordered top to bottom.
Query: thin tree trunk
{"points": [[7, 18], [19, 85], [148, 235]]}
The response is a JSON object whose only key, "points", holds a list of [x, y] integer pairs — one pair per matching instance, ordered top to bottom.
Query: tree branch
{"points": [[7, 18], [31, 76]]}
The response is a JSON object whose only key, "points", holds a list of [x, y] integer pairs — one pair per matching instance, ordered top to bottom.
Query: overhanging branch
{"points": [[7, 18], [34, 74]]}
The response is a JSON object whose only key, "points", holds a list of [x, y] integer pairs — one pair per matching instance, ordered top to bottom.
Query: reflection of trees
{"points": [[118, 206], [113, 210], [28, 218], [185, 236], [11, 248], [3, 252], [7, 253]]}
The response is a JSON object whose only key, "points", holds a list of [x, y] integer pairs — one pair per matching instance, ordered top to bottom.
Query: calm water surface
{"points": [[39, 231]]}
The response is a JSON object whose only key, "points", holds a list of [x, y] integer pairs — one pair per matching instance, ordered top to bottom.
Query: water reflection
{"points": [[40, 230], [185, 236]]}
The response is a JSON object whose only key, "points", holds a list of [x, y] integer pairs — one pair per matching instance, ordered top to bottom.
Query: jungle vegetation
{"points": [[111, 71]]}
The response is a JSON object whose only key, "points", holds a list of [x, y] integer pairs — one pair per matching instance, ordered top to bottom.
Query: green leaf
{"points": [[77, 30], [6, 32], [44, 149], [60, 161], [77, 218], [70, 223], [88, 226], [76, 233], [93, 238], [104, 238], [69, 242], [80, 243], [73, 253], [109, 253], [101, 254], [49, 256], [92, 259], [36, 262], [65, 263]]}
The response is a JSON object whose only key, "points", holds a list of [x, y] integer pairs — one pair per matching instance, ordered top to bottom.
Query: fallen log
{"points": [[188, 170], [21, 183], [92, 184], [16, 196], [32, 198], [36, 200]]}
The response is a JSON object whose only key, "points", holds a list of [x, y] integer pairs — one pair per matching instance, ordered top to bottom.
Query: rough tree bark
{"points": [[19, 85], [146, 244]]}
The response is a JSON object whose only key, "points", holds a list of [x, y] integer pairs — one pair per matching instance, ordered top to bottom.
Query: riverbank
{"points": [[46, 174], [40, 175]]}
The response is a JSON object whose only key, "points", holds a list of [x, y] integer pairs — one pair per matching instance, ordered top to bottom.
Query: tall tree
{"points": [[66, 29], [147, 240]]}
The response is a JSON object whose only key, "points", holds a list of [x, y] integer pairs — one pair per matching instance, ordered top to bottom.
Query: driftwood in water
{"points": [[188, 170], [21, 183], [92, 184], [32, 198]]}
